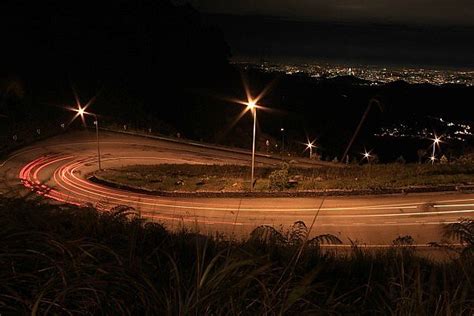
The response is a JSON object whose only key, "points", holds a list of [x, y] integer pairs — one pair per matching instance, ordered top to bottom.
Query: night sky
{"points": [[443, 12], [424, 33], [148, 62]]}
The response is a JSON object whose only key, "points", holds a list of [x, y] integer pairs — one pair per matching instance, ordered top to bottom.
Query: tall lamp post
{"points": [[373, 101], [251, 104], [253, 109], [81, 112], [96, 123], [282, 130], [436, 142], [310, 145], [367, 156]]}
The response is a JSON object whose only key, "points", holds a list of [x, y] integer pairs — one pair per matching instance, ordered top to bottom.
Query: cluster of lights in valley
{"points": [[373, 74], [454, 131]]}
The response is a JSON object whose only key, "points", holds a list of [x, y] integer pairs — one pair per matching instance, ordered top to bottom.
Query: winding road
{"points": [[56, 169]]}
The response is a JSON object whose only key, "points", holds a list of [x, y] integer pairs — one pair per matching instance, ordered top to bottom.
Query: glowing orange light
{"points": [[252, 104], [309, 145], [367, 154]]}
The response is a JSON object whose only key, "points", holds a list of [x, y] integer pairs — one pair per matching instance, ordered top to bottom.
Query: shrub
{"points": [[466, 159], [279, 179], [462, 232]]}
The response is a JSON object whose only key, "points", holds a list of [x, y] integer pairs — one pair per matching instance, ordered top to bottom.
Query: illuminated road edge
{"points": [[72, 189]]}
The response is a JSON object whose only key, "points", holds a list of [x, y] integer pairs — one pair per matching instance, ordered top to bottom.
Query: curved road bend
{"points": [[56, 169]]}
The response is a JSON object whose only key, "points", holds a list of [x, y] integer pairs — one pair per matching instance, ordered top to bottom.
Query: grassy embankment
{"points": [[236, 178], [67, 260]]}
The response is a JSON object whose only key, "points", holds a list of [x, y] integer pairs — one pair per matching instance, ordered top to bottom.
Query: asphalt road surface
{"points": [[56, 169]]}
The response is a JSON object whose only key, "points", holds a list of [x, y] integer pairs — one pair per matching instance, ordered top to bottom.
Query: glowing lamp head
{"points": [[251, 105], [81, 111], [437, 140], [310, 144], [366, 155], [432, 158]]}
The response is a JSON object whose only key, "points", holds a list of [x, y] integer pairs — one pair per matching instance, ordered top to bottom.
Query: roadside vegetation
{"points": [[190, 178], [69, 260]]}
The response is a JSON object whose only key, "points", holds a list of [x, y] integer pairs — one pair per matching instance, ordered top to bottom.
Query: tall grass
{"points": [[67, 260]]}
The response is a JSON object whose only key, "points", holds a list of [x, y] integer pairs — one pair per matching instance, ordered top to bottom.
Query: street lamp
{"points": [[252, 106], [81, 112], [96, 123], [282, 130], [436, 142], [310, 145], [367, 156]]}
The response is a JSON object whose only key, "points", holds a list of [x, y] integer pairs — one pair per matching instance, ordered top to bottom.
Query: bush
{"points": [[466, 159], [279, 179]]}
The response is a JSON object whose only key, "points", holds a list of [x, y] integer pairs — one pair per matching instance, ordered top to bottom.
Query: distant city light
{"points": [[374, 75], [457, 131]]}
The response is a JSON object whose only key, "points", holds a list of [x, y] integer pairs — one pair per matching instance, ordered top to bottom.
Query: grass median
{"points": [[233, 178]]}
